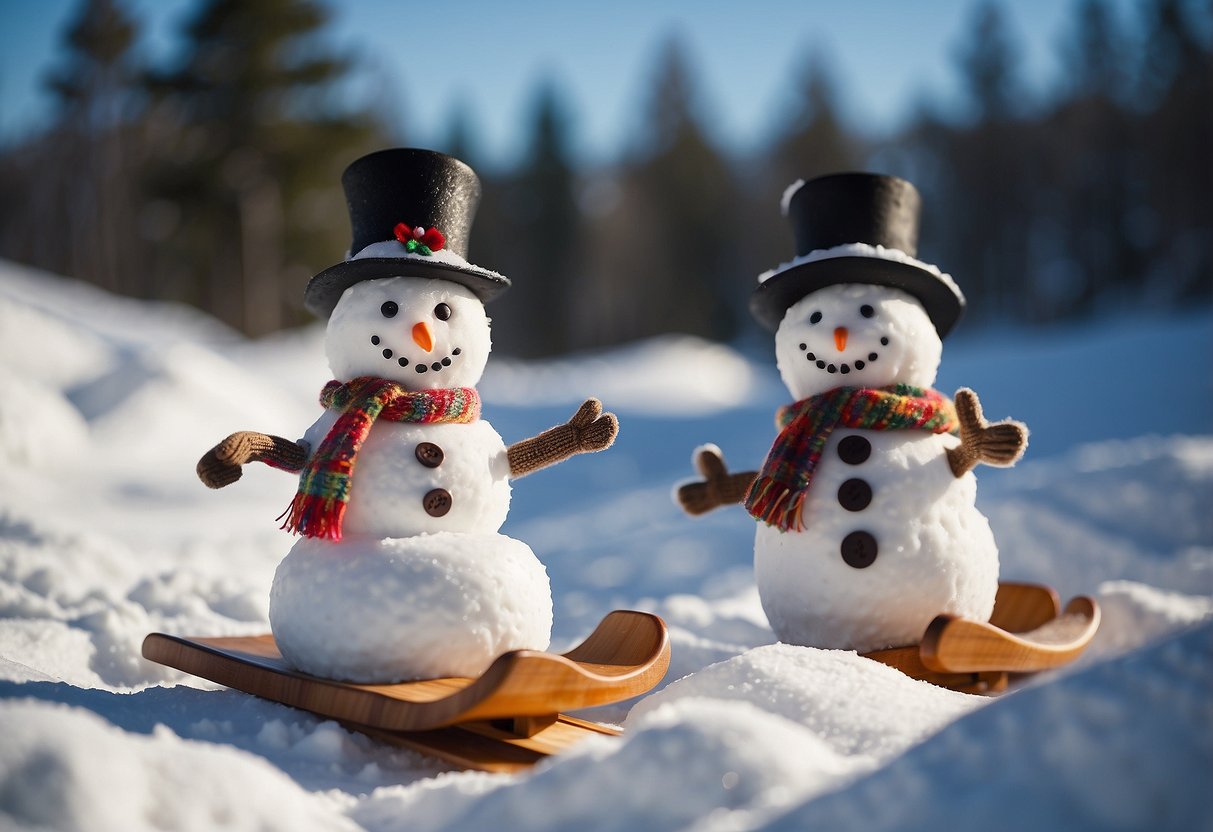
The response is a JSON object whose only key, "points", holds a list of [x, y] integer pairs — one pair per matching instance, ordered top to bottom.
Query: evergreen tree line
{"points": [[215, 180]]}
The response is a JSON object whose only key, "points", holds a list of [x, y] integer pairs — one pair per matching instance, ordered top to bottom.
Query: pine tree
{"points": [[987, 60], [1177, 88], [257, 137], [811, 141], [815, 141], [1091, 162], [992, 171], [75, 214], [545, 226], [665, 259]]}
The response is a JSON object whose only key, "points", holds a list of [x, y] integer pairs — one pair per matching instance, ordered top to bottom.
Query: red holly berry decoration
{"points": [[433, 239], [423, 241]]}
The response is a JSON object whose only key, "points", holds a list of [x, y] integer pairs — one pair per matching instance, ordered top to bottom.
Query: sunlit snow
{"points": [[106, 535]]}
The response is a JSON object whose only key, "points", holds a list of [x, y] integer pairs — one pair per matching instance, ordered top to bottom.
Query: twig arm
{"points": [[717, 488]]}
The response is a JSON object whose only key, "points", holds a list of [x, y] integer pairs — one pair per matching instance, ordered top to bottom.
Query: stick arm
{"points": [[717, 488]]}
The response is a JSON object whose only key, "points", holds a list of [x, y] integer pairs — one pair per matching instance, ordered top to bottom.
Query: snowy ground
{"points": [[106, 535]]}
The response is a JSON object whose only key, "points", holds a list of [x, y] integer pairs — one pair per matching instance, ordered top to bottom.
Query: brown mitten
{"points": [[589, 430], [1001, 443], [220, 465], [718, 486]]}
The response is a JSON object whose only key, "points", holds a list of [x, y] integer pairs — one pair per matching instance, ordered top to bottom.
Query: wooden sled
{"points": [[1027, 632], [506, 719]]}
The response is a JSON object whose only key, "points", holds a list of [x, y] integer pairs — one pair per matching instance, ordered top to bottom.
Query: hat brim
{"points": [[325, 289], [773, 297]]}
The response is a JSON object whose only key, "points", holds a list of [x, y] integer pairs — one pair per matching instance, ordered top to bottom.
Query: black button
{"points": [[854, 449], [430, 455], [855, 495], [437, 502], [859, 550]]}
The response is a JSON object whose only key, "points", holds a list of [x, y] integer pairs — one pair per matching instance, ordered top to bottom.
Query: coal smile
{"points": [[435, 366], [841, 367]]}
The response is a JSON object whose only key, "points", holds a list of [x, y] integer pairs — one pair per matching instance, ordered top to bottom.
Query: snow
{"points": [[790, 191], [395, 250], [861, 250], [374, 329], [106, 535], [420, 607], [1088, 751]]}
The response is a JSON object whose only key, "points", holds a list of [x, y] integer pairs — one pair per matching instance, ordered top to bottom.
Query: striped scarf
{"points": [[324, 483], [777, 495]]}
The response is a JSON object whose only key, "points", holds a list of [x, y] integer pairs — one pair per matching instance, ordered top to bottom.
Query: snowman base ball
{"points": [[398, 609]]}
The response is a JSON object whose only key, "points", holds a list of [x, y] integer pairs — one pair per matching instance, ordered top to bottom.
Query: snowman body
{"points": [[401, 463], [891, 538], [934, 551], [421, 585]]}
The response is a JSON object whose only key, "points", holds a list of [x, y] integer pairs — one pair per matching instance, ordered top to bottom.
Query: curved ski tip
{"points": [[1085, 606], [1020, 607], [626, 638], [960, 645], [148, 647], [929, 647], [626, 655]]}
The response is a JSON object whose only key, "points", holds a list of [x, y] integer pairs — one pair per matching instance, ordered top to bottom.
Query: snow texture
{"points": [[785, 202], [395, 249], [861, 250], [374, 330], [895, 344], [106, 535], [421, 607]]}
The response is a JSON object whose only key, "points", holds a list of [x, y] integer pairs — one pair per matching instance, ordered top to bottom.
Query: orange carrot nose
{"points": [[423, 336], [840, 338]]}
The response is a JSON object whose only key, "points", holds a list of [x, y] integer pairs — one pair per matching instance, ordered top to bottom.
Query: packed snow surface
{"points": [[106, 535]]}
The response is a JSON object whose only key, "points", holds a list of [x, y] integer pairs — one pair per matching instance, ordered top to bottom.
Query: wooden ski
{"points": [[1027, 632], [508, 718]]}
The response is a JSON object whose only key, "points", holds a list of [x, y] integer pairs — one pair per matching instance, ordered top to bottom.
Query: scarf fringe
{"points": [[324, 484], [777, 497], [777, 504], [314, 516]]}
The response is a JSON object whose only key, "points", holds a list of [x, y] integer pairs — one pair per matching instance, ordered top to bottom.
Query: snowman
{"points": [[866, 522], [400, 572]]}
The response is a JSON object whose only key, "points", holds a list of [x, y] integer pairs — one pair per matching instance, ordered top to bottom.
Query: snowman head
{"points": [[421, 333], [856, 335]]}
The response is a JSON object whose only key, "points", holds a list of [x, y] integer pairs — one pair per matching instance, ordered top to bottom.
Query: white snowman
{"points": [[867, 527], [401, 572]]}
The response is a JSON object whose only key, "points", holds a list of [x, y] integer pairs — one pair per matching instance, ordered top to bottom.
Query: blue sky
{"points": [[888, 55]]}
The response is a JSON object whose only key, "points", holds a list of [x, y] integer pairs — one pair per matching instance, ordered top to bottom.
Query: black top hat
{"points": [[421, 189], [845, 208]]}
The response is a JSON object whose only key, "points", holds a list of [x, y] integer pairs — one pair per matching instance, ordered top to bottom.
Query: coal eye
{"points": [[389, 309], [867, 311], [442, 312], [815, 318]]}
